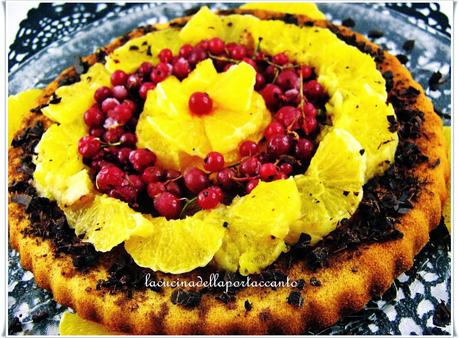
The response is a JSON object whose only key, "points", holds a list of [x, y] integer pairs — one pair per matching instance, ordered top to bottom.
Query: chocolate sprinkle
{"points": [[348, 22], [375, 34], [408, 45], [402, 58], [435, 80], [55, 99], [393, 125], [126, 276], [315, 282], [188, 299], [295, 299], [247, 305], [442, 315], [39, 316], [15, 326]]}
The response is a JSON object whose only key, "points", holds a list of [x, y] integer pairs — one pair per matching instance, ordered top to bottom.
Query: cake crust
{"points": [[348, 282]]}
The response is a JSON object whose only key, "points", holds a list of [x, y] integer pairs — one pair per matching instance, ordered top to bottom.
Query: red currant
{"points": [[216, 46], [185, 50], [238, 52], [165, 55], [280, 59], [181, 68], [145, 69], [160, 72], [306, 72], [119, 78], [288, 79], [133, 82], [144, 88], [313, 90], [119, 92], [102, 93], [272, 95], [200, 103], [108, 104], [288, 116], [94, 117], [309, 125], [273, 129], [112, 135], [128, 139], [279, 145], [88, 146], [248, 148], [303, 149], [123, 155], [141, 158], [214, 161], [250, 166], [286, 168], [267, 171], [152, 174], [109, 177], [225, 178], [195, 180], [251, 185], [155, 188], [173, 188], [209, 198], [167, 205]]}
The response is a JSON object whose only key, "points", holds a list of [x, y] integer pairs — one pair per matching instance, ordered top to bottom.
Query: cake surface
{"points": [[347, 282]]}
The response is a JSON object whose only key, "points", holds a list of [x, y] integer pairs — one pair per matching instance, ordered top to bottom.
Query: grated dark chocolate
{"points": [[349, 22], [408, 45], [435, 80], [126, 276], [188, 299], [295, 299], [442, 315]]}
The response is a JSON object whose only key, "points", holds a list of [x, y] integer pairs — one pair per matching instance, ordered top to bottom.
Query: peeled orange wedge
{"points": [[18, 107], [332, 187], [257, 225], [178, 246], [72, 324]]}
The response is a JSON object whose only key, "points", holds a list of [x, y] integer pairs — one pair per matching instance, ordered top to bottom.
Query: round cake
{"points": [[291, 163]]}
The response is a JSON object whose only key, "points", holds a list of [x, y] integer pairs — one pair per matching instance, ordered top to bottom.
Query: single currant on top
{"points": [[290, 91]]}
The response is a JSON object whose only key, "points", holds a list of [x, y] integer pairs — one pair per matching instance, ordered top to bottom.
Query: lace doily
{"points": [[50, 32]]}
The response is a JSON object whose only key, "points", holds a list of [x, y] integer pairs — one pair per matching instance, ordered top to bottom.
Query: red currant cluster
{"points": [[123, 171]]}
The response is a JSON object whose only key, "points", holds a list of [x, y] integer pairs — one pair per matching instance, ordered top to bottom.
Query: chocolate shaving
{"points": [[290, 19], [348, 22], [375, 34], [408, 45], [402, 58], [435, 80], [55, 99], [393, 125], [29, 138], [22, 199], [126, 276], [315, 282], [226, 297], [188, 299], [295, 299], [247, 305], [442, 315], [39, 316], [15, 326]]}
